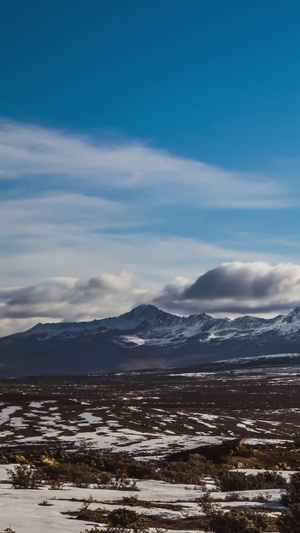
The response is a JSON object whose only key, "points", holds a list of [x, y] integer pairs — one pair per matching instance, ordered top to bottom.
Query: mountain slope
{"points": [[146, 337]]}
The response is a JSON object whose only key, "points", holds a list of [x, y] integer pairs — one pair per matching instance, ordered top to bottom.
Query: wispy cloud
{"points": [[27, 151], [73, 206], [44, 215], [77, 237]]}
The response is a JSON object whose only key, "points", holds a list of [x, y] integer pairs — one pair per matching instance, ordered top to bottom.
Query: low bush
{"points": [[86, 468], [190, 471], [79, 475], [25, 477], [228, 481], [121, 483], [292, 491], [232, 497], [264, 498], [131, 501], [45, 503], [125, 518], [118, 519], [235, 520], [238, 521], [289, 522]]}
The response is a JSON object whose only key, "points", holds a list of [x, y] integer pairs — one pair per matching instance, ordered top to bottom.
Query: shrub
{"points": [[84, 468], [190, 471], [79, 475], [25, 477], [228, 481], [122, 483], [292, 491], [232, 497], [264, 498], [131, 501], [45, 503], [206, 503], [92, 515], [124, 518], [235, 520], [238, 521], [289, 522]]}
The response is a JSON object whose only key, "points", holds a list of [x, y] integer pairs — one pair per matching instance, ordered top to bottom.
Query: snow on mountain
{"points": [[148, 315], [248, 322], [146, 324], [152, 325], [283, 325], [67, 329], [144, 338], [259, 358]]}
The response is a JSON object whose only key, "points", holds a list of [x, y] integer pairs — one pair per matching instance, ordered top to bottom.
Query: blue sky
{"points": [[208, 79], [159, 138]]}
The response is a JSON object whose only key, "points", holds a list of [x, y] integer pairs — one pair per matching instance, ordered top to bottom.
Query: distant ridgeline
{"points": [[145, 338]]}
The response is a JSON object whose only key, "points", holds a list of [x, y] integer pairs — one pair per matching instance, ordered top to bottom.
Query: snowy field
{"points": [[148, 413], [147, 416], [20, 509]]}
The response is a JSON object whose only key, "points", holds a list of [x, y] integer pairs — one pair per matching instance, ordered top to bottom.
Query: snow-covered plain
{"points": [[148, 416], [84, 425], [20, 509]]}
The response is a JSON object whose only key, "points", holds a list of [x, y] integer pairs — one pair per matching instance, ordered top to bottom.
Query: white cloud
{"points": [[27, 151], [43, 214], [78, 231], [77, 234], [76, 249], [230, 288], [68, 299], [8, 326]]}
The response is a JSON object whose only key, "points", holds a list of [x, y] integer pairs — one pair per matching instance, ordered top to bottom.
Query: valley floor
{"points": [[151, 412], [147, 415]]}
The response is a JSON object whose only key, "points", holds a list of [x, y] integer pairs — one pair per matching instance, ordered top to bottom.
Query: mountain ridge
{"points": [[155, 317], [144, 337]]}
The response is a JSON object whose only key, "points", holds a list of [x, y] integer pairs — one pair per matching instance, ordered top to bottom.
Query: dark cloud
{"points": [[240, 280], [237, 288]]}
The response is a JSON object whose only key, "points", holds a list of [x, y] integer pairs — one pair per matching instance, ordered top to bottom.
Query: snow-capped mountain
{"points": [[150, 325], [145, 337]]}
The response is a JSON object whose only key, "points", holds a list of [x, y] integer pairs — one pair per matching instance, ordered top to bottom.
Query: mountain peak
{"points": [[145, 309], [295, 311], [142, 314], [149, 314], [202, 316], [293, 316], [141, 333]]}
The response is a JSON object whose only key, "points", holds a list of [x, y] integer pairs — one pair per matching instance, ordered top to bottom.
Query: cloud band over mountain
{"points": [[230, 288], [237, 288]]}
